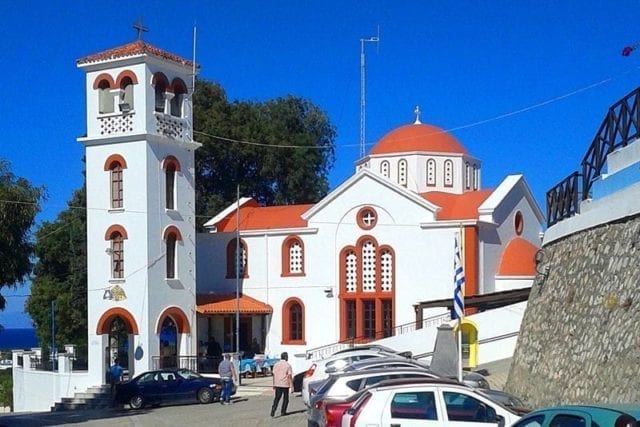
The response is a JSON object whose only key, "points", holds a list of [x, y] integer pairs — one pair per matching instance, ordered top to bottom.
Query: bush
{"points": [[6, 388]]}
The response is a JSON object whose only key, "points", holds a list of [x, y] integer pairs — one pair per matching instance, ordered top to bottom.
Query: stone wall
{"points": [[579, 340]]}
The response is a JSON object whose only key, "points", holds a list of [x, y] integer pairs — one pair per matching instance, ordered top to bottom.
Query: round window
{"points": [[367, 218], [518, 223]]}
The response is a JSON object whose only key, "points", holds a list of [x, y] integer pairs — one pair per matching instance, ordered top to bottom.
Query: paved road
{"points": [[246, 411]]}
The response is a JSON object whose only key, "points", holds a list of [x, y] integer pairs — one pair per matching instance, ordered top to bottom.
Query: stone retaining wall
{"points": [[579, 340]]}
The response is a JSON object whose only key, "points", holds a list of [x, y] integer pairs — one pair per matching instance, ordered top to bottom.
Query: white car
{"points": [[339, 360], [6, 364], [436, 403]]}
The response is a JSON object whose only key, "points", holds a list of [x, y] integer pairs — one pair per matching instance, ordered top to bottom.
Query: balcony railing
{"points": [[620, 127]]}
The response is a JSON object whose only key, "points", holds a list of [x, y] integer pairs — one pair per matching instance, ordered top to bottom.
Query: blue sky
{"points": [[474, 68]]}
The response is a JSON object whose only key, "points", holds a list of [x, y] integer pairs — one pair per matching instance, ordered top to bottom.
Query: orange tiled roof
{"points": [[137, 47], [418, 137], [457, 206], [253, 217], [518, 259], [226, 304]]}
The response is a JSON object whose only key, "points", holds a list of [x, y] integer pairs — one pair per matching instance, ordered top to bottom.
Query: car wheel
{"points": [[205, 395], [136, 402]]}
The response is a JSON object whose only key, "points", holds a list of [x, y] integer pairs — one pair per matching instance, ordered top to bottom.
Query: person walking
{"points": [[227, 373], [282, 380]]}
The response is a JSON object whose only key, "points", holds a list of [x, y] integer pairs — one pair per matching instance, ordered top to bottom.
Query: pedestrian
{"points": [[227, 373], [115, 377], [282, 380]]}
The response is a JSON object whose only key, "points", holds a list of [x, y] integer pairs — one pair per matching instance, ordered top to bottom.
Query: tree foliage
{"points": [[295, 173], [19, 204], [61, 276]]}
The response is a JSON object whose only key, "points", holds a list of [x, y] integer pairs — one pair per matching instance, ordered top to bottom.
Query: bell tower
{"points": [[140, 209]]}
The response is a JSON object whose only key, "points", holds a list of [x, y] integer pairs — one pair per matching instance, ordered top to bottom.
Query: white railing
{"points": [[173, 127], [327, 350]]}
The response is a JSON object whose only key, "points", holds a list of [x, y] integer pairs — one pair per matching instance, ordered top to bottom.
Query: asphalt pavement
{"points": [[251, 407]]}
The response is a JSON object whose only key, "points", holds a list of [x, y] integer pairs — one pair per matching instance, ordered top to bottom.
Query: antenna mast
{"points": [[363, 102]]}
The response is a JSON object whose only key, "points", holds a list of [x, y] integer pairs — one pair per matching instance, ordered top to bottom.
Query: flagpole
{"points": [[238, 260], [460, 317]]}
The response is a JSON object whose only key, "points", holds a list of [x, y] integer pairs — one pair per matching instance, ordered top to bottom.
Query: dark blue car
{"points": [[169, 386]]}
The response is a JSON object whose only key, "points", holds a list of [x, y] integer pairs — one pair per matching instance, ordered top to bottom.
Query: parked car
{"points": [[379, 362], [6, 364], [317, 371], [472, 379], [476, 380], [346, 384], [169, 386], [505, 399], [433, 402], [583, 416]]}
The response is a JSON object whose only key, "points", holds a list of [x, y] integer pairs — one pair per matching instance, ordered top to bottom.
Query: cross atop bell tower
{"points": [[140, 28]]}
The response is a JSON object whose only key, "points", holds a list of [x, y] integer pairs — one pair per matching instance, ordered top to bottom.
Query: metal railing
{"points": [[620, 127], [327, 350], [201, 364]]}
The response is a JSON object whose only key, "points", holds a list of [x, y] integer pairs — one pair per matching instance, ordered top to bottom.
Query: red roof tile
{"points": [[135, 48], [418, 137], [457, 206], [265, 218], [518, 259], [225, 304]]}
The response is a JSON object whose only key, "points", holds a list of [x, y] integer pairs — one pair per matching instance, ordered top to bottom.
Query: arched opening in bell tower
{"points": [[168, 344]]}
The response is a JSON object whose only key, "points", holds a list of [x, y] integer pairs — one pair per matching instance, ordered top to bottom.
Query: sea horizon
{"points": [[18, 339]]}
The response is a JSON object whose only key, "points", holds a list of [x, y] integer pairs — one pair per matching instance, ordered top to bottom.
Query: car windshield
{"points": [[187, 374]]}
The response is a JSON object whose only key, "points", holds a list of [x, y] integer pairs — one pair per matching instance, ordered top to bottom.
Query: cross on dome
{"points": [[417, 113]]}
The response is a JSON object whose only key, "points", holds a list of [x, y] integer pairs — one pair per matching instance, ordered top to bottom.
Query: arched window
{"points": [[161, 84], [179, 93], [126, 95], [105, 97], [171, 166], [384, 168], [402, 172], [431, 172], [448, 173], [467, 175], [476, 177], [170, 178], [116, 186], [116, 234], [171, 237], [117, 255], [292, 257], [231, 259], [368, 266], [367, 289], [293, 322]]}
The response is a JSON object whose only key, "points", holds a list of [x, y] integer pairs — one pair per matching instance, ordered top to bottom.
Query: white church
{"points": [[354, 267]]}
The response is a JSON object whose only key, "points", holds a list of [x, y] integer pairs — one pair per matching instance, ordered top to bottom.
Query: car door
{"points": [[148, 387], [167, 387], [412, 408], [463, 409]]}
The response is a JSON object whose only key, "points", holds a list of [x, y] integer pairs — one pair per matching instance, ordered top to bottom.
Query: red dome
{"points": [[418, 137]]}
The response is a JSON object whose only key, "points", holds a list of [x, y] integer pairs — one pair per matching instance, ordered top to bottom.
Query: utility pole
{"points": [[363, 100], [53, 333]]}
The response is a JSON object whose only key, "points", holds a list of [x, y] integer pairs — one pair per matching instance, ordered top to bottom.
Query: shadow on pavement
{"points": [[64, 417]]}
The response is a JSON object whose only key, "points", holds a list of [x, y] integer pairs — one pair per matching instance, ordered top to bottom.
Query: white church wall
{"points": [[495, 239], [497, 334]]}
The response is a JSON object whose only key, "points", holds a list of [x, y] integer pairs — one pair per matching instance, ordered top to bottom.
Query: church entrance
{"points": [[118, 344], [168, 344]]}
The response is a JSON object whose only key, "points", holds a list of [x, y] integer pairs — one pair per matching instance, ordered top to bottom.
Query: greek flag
{"points": [[458, 294]]}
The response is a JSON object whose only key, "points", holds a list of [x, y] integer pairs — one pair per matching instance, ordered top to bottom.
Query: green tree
{"points": [[287, 159], [19, 204], [61, 277], [6, 388]]}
